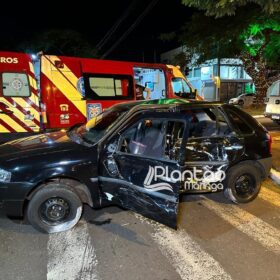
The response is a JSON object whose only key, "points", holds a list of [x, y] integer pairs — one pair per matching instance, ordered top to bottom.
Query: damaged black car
{"points": [[140, 156]]}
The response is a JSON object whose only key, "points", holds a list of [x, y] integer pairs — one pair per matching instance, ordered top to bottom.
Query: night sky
{"points": [[23, 20]]}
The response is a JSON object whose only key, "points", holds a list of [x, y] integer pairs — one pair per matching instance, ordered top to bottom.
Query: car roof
{"points": [[163, 103]]}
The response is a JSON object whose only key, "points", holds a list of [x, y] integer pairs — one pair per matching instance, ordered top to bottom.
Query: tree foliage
{"points": [[219, 8], [250, 34], [230, 36], [60, 42]]}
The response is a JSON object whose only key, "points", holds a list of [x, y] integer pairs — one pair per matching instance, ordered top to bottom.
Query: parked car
{"points": [[244, 100], [272, 109], [140, 156]]}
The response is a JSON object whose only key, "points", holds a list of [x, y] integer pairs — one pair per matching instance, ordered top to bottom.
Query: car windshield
{"points": [[181, 88], [97, 127]]}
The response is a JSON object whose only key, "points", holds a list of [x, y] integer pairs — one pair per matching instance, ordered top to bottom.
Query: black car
{"points": [[140, 156]]}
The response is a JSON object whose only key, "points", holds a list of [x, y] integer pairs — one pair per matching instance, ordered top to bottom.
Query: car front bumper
{"points": [[12, 197]]}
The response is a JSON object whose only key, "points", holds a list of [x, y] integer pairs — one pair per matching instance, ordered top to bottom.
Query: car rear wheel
{"points": [[242, 183], [54, 208]]}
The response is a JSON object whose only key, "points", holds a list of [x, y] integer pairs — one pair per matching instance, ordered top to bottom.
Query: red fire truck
{"points": [[53, 92]]}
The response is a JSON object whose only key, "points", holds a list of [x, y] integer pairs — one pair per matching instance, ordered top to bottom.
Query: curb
{"points": [[258, 116], [275, 176]]}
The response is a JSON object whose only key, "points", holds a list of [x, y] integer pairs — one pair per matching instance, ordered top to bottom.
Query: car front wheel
{"points": [[242, 183], [54, 208]]}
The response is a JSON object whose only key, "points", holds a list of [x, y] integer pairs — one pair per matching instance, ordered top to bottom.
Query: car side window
{"points": [[206, 122], [238, 123], [155, 138]]}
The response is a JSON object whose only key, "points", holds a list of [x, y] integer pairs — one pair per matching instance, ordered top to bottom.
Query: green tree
{"points": [[219, 8], [250, 34], [60, 42]]}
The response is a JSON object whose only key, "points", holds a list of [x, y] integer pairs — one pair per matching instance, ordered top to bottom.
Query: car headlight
{"points": [[5, 176]]}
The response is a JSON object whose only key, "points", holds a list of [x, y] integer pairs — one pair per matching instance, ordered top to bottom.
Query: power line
{"points": [[116, 25], [130, 29]]}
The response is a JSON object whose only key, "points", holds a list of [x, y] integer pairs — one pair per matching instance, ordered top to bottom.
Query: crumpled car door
{"points": [[133, 182]]}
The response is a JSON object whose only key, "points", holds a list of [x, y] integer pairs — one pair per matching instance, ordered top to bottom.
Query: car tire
{"points": [[241, 102], [242, 183], [54, 208]]}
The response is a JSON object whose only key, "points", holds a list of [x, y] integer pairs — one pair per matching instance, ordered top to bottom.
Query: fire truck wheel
{"points": [[242, 183], [54, 208]]}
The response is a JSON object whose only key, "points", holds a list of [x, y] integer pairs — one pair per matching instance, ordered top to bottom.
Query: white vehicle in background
{"points": [[243, 100], [272, 109]]}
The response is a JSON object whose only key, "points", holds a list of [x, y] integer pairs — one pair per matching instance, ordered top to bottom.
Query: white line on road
{"points": [[275, 176], [270, 196], [247, 223], [71, 255], [186, 256], [189, 260]]}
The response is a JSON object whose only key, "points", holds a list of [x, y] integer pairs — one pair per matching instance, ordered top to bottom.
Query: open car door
{"points": [[137, 164]]}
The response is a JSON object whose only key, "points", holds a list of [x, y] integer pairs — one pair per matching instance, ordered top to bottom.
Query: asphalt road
{"points": [[215, 240]]}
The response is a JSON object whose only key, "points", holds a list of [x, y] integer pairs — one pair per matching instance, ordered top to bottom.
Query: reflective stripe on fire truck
{"points": [[32, 79], [66, 85], [23, 106], [24, 113], [17, 119], [14, 124], [5, 128]]}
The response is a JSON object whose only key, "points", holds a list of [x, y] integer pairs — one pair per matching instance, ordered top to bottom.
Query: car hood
{"points": [[36, 145]]}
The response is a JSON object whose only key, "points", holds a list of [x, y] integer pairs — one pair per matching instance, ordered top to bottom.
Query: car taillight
{"points": [[269, 142]]}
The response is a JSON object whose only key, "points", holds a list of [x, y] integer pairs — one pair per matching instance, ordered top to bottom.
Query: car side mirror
{"points": [[194, 91]]}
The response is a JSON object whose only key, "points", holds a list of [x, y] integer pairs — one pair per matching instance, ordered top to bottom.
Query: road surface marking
{"points": [[275, 176], [270, 196], [247, 223], [71, 255], [185, 255], [189, 260]]}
